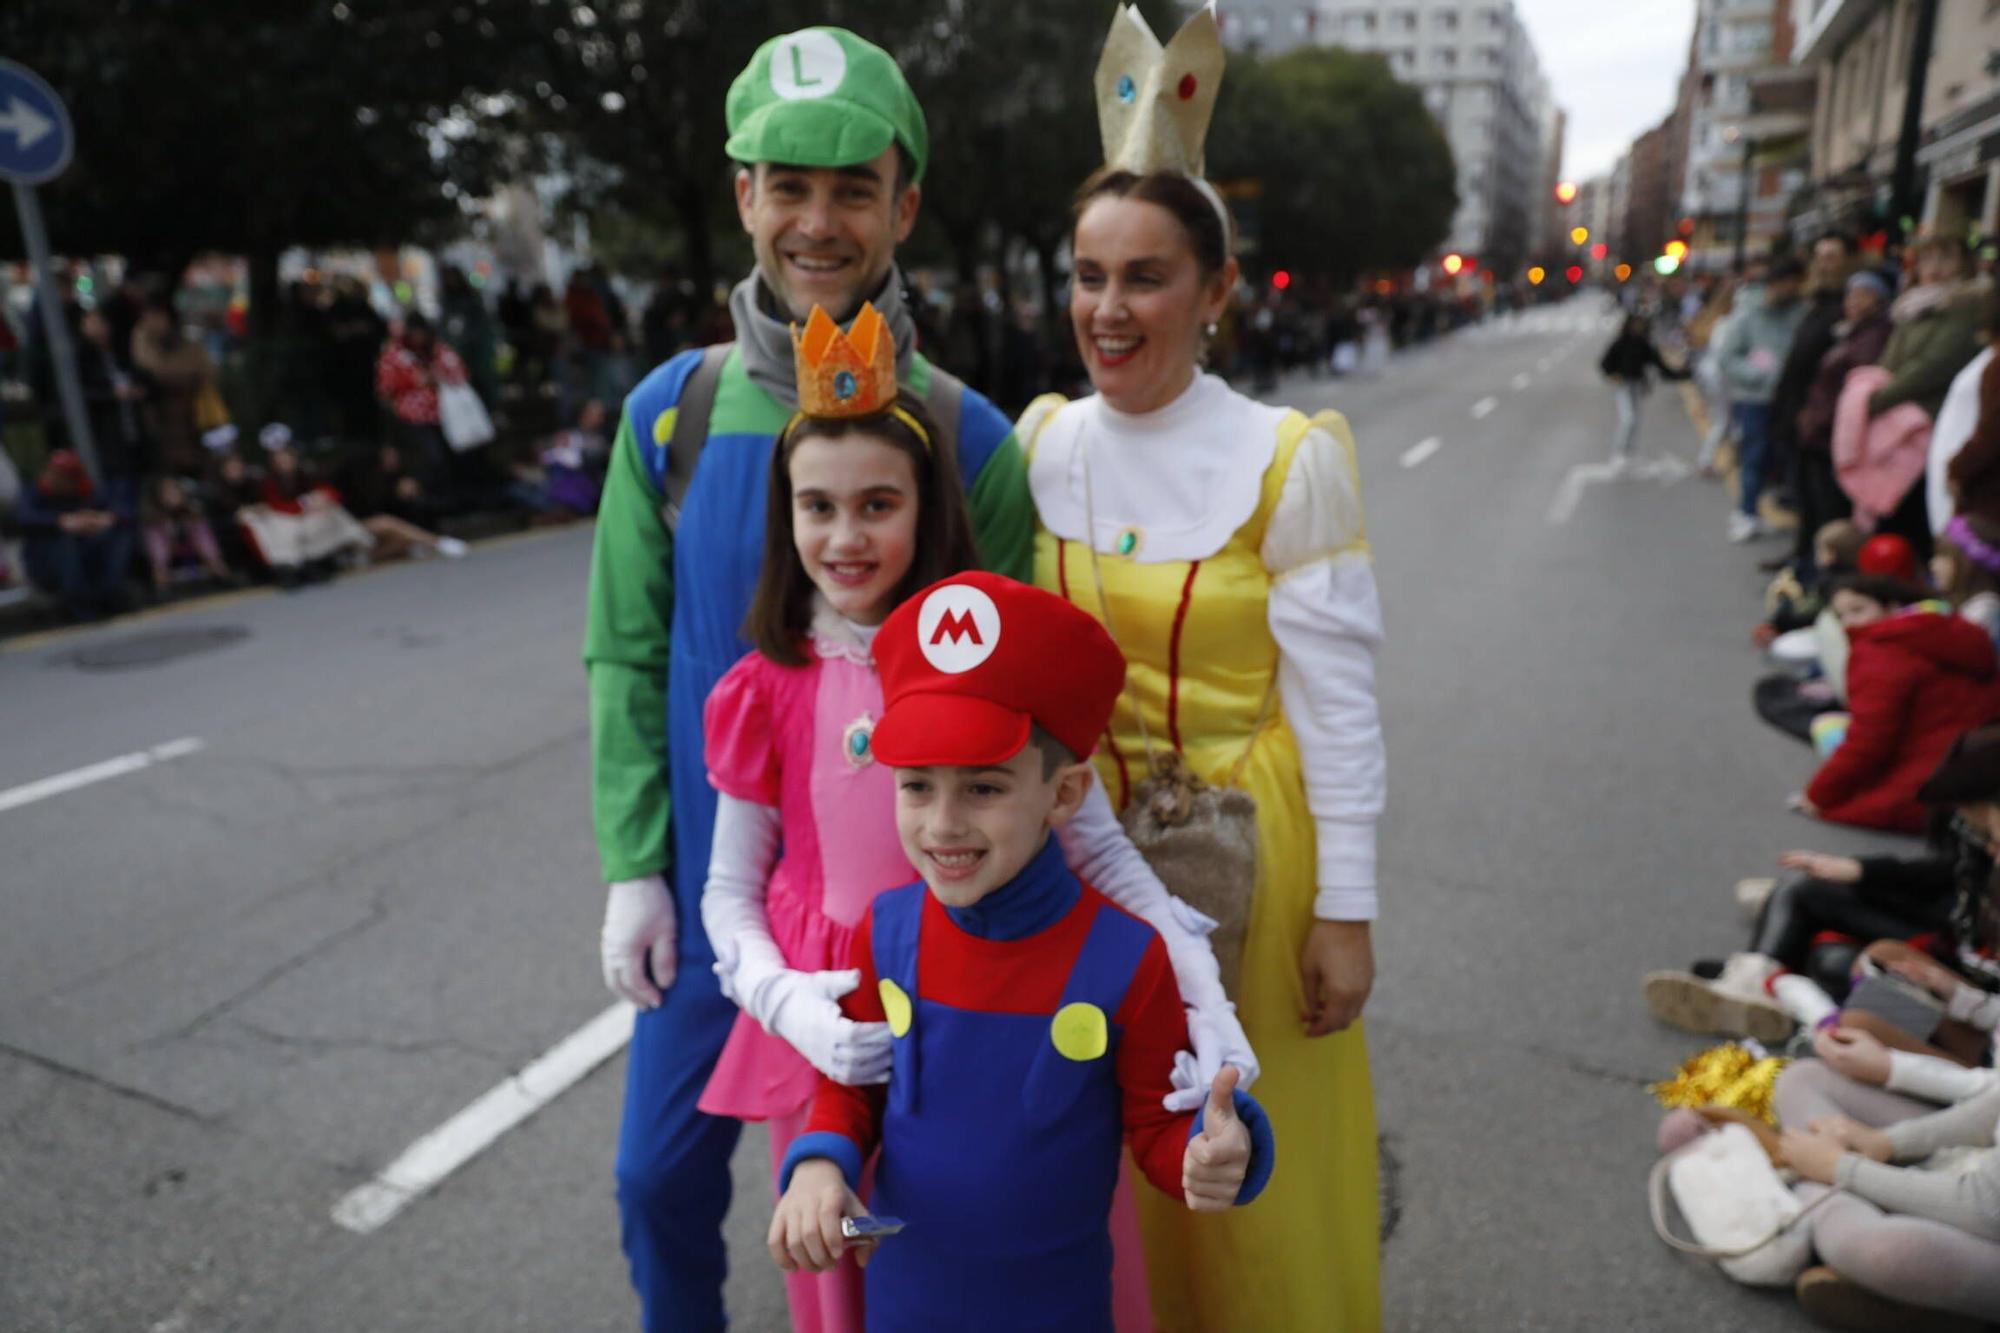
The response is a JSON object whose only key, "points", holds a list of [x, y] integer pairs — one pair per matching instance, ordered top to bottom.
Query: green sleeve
{"points": [[1003, 513], [625, 649]]}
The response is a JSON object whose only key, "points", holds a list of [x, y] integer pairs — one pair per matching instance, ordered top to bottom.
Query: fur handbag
{"points": [[1199, 837], [1737, 1205]]}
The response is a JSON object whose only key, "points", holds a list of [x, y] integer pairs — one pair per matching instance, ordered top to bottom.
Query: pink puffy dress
{"points": [[797, 738]]}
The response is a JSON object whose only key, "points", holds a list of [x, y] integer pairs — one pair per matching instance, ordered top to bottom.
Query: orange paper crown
{"points": [[851, 374]]}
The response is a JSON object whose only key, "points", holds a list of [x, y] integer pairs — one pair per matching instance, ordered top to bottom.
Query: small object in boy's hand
{"points": [[866, 1226]]}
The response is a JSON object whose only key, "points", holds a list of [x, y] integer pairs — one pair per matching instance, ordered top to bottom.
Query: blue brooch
{"points": [[1127, 90], [844, 384], [856, 743]]}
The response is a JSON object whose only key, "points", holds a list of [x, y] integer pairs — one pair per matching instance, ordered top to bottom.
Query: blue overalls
{"points": [[1001, 1143]]}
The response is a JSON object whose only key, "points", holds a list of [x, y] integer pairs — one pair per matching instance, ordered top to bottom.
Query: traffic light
{"points": [[1566, 192], [1579, 234], [1600, 250], [1677, 251], [1454, 263], [1665, 265], [1623, 271], [1574, 273], [1535, 275], [1281, 279]]}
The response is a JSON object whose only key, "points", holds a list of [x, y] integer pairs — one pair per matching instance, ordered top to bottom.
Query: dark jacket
{"points": [[1814, 339], [1862, 346], [1631, 355], [1976, 468], [1915, 682]]}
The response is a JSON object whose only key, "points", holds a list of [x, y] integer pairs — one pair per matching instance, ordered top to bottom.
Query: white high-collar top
{"points": [[1186, 477]]}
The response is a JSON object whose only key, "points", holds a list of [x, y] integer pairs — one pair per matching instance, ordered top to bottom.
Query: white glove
{"points": [[640, 934], [803, 1008], [1218, 1040]]}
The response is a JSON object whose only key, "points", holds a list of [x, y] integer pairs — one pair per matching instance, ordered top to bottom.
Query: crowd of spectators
{"points": [[1864, 408], [353, 462]]}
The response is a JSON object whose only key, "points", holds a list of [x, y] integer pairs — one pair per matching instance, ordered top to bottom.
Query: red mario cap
{"points": [[970, 664]]}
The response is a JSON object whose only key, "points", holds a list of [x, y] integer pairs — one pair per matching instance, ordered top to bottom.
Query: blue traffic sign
{"points": [[35, 135]]}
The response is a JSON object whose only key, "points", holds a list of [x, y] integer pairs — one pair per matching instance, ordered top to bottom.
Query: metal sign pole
{"points": [[55, 328]]}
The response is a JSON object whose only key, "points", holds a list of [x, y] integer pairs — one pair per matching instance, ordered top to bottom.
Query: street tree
{"points": [[1343, 168]]}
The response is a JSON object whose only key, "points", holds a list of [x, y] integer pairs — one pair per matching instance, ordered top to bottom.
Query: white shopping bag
{"points": [[463, 417]]}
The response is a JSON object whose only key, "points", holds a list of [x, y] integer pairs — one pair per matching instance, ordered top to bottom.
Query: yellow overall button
{"points": [[895, 1007], [1080, 1031]]}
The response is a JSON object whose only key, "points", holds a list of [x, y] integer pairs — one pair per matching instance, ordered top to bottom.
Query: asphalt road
{"points": [[234, 984]]}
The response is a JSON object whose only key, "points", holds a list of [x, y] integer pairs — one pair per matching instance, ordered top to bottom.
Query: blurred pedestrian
{"points": [[1825, 304], [1937, 323], [469, 328], [354, 335], [1858, 341], [1750, 358], [413, 363], [1628, 363], [184, 395], [114, 400], [178, 537], [77, 538]]}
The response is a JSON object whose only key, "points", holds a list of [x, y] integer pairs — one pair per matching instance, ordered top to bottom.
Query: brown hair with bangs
{"points": [[1191, 207], [781, 608]]}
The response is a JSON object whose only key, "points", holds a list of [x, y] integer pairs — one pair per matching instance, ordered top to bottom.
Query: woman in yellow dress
{"points": [[1222, 543]]}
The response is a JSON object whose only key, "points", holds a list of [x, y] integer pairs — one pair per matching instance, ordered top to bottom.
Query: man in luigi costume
{"points": [[832, 147]]}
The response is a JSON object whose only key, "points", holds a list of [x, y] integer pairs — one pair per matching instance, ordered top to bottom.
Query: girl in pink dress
{"points": [[860, 517]]}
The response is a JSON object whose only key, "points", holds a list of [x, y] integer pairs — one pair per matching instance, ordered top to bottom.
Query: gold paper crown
{"points": [[1153, 102], [851, 374]]}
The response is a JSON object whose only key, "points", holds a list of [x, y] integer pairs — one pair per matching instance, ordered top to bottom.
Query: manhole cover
{"points": [[156, 648]]}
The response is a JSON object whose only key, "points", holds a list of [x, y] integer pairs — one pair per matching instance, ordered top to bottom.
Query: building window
{"points": [[1489, 19], [1403, 20], [1446, 20], [1358, 24], [1443, 57], [1489, 57], [1405, 60]]}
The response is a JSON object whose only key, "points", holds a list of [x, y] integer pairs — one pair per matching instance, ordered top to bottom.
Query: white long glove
{"points": [[1095, 845], [640, 935], [800, 1007], [804, 1009]]}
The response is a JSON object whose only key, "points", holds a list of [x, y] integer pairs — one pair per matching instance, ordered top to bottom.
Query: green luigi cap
{"points": [[822, 97]]}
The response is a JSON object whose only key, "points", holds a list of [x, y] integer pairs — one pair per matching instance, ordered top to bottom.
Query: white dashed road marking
{"points": [[1483, 406], [1417, 453], [29, 793], [425, 1163]]}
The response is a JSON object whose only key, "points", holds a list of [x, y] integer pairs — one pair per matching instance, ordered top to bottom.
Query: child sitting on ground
{"points": [[177, 536], [1791, 602], [1917, 678], [1034, 1024]]}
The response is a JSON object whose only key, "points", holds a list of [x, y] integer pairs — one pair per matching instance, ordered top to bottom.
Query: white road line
{"points": [[1542, 366], [1522, 380], [1483, 406], [1417, 453], [28, 794], [426, 1163]]}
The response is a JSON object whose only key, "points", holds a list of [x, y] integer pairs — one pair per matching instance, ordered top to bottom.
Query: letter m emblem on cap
{"points": [[958, 627]]}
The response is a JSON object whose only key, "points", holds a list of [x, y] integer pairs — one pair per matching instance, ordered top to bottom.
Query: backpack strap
{"points": [[943, 397], [691, 429]]}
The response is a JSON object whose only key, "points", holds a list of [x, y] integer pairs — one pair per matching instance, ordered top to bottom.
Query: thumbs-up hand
{"points": [[1218, 1158]]}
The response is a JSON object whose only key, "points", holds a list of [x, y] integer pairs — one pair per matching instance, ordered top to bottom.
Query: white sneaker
{"points": [[1744, 527], [451, 547], [1735, 1004]]}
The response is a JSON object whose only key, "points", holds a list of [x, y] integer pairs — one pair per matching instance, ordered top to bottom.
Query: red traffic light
{"points": [[1566, 192], [1600, 250], [1574, 273], [1282, 279]]}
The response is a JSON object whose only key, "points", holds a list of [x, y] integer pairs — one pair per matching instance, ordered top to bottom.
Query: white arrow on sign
{"points": [[28, 125]]}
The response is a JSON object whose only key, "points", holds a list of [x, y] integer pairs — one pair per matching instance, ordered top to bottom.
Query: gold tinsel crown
{"points": [[1153, 101], [851, 374]]}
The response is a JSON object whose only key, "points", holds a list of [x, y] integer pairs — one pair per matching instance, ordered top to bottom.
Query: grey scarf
{"points": [[765, 334]]}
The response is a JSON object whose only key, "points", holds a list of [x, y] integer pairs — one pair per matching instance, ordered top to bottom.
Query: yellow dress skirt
{"points": [[1303, 1258]]}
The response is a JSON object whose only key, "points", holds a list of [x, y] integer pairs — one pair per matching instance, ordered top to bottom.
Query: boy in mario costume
{"points": [[1034, 1023]]}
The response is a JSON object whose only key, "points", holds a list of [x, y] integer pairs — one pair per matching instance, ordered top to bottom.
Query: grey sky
{"points": [[1614, 65]]}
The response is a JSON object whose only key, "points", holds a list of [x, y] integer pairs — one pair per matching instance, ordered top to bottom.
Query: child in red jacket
{"points": [[1917, 677]]}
